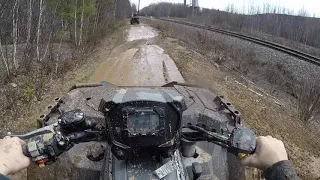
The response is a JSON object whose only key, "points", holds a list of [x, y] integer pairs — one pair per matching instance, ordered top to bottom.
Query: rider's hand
{"points": [[268, 152], [12, 159]]}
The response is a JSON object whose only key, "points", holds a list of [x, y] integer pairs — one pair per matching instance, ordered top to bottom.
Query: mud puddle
{"points": [[141, 32], [138, 62]]}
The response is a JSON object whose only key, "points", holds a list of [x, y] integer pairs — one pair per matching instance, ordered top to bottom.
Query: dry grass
{"points": [[309, 101]]}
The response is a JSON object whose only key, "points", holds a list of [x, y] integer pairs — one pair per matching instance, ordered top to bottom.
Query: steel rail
{"points": [[296, 53]]}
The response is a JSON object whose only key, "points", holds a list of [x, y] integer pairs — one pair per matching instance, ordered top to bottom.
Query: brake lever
{"points": [[37, 132], [211, 136], [214, 138]]}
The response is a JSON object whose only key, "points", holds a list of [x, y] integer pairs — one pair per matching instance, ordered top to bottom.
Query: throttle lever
{"points": [[211, 136], [25, 151]]}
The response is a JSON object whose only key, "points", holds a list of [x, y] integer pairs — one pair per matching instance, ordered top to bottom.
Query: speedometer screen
{"points": [[143, 123]]}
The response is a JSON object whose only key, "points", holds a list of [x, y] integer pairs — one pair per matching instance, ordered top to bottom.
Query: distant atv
{"points": [[135, 19]]}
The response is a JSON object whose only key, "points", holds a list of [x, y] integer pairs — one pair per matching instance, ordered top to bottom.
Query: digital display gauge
{"points": [[143, 123]]}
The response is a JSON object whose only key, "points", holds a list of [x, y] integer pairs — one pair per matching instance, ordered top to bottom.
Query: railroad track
{"points": [[301, 55]]}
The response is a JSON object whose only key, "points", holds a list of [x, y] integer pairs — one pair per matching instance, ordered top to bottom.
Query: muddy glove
{"points": [[269, 151], [12, 159]]}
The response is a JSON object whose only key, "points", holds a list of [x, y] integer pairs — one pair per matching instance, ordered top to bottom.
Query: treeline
{"points": [[166, 9], [269, 19], [39, 33]]}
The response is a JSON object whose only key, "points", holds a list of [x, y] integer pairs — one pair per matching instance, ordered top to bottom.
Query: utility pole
{"points": [[139, 8]]}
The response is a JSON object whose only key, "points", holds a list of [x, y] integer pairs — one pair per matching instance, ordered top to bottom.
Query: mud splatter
{"points": [[77, 159]]}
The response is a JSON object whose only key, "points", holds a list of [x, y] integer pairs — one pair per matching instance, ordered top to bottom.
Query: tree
{"points": [[134, 8], [123, 9], [303, 12], [29, 21], [75, 21], [81, 27], [29, 28], [39, 28], [15, 32], [4, 59]]}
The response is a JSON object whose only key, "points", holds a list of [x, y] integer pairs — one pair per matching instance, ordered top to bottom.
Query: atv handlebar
{"points": [[46, 144], [44, 149]]}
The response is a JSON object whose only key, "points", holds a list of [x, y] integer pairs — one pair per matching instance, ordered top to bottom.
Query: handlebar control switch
{"points": [[72, 121], [243, 140], [37, 149]]}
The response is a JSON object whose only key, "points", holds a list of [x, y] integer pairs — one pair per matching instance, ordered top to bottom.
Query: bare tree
{"points": [[115, 5], [134, 8], [303, 12], [96, 18], [29, 21], [75, 22], [81, 26], [31, 27], [39, 28], [28, 32], [15, 33], [47, 47], [4, 59]]}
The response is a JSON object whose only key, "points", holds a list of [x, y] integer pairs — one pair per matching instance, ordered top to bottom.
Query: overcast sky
{"points": [[312, 6]]}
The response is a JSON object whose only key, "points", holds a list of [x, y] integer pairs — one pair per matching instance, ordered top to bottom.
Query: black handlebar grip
{"points": [[26, 151]]}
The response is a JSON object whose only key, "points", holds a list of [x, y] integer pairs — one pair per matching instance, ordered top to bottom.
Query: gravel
{"points": [[301, 70]]}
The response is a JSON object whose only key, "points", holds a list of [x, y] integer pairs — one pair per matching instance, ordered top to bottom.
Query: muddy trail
{"points": [[138, 62]]}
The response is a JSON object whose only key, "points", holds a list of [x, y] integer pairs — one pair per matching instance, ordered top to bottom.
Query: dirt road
{"points": [[138, 62]]}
